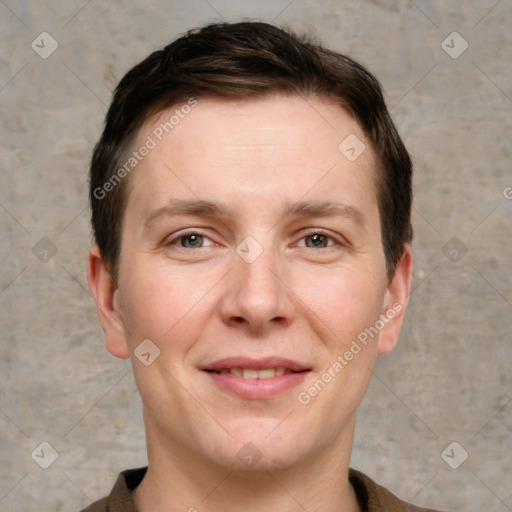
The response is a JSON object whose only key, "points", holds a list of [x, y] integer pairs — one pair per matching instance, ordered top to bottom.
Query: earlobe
{"points": [[106, 295], [395, 302]]}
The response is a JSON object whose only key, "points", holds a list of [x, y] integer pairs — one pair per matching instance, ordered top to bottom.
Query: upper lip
{"points": [[255, 364]]}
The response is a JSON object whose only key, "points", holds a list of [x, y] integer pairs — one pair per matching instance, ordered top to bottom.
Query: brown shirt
{"points": [[372, 497]]}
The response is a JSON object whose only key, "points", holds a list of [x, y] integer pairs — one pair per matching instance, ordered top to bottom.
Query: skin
{"points": [[297, 300]]}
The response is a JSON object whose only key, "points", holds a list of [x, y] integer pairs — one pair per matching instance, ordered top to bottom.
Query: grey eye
{"points": [[191, 241]]}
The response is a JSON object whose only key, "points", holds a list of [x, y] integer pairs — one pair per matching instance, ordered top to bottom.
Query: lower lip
{"points": [[257, 388]]}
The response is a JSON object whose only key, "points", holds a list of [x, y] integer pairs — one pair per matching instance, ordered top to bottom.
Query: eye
{"points": [[192, 240], [317, 240]]}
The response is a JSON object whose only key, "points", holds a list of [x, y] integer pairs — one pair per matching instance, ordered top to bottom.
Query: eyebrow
{"points": [[186, 207], [306, 208], [300, 209]]}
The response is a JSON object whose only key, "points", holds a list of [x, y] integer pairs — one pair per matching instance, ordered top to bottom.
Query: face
{"points": [[252, 260]]}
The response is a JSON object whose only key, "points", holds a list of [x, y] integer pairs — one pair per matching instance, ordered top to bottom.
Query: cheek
{"points": [[344, 302], [160, 303]]}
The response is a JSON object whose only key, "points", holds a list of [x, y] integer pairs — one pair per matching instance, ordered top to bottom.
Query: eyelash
{"points": [[183, 235]]}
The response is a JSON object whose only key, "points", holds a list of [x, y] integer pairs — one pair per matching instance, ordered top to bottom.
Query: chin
{"points": [[257, 445], [251, 460]]}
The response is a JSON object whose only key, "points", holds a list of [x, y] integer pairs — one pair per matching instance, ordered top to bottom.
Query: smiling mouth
{"points": [[251, 373], [256, 378]]}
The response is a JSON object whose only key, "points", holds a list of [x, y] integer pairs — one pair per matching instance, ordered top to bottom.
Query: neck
{"points": [[178, 482]]}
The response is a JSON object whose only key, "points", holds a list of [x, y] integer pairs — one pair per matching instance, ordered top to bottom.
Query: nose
{"points": [[256, 296]]}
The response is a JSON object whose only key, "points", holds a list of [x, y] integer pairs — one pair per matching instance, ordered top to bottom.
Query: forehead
{"points": [[255, 122], [274, 145]]}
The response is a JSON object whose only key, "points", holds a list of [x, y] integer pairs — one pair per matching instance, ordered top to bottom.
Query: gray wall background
{"points": [[448, 380]]}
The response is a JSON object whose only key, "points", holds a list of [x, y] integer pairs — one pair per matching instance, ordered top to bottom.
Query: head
{"points": [[246, 60], [244, 229]]}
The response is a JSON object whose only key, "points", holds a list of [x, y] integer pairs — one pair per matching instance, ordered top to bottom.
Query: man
{"points": [[251, 207]]}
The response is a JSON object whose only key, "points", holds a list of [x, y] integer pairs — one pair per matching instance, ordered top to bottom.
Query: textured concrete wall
{"points": [[448, 381]]}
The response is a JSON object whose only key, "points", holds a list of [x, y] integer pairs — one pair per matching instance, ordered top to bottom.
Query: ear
{"points": [[105, 294], [395, 302]]}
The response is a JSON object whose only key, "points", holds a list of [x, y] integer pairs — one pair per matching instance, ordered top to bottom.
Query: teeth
{"points": [[249, 373], [265, 374]]}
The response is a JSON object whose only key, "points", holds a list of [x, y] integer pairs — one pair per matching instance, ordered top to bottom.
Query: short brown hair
{"points": [[244, 60]]}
